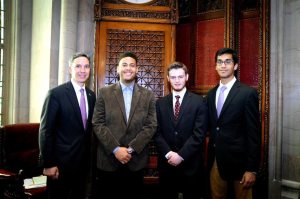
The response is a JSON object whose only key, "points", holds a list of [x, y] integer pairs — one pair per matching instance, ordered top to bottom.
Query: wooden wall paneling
{"points": [[210, 37], [183, 45], [249, 51]]}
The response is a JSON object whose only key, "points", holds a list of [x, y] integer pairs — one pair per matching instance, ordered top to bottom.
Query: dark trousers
{"points": [[122, 183], [174, 183], [70, 186]]}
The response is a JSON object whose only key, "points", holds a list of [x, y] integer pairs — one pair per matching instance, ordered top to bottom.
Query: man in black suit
{"points": [[65, 135], [235, 138], [179, 139]]}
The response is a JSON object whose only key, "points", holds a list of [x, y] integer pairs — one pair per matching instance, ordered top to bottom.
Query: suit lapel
{"points": [[232, 93], [119, 97], [89, 98], [73, 99], [213, 99], [134, 102], [184, 104], [170, 106]]}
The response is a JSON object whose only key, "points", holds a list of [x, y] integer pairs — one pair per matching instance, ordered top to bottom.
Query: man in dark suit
{"points": [[124, 122], [181, 131], [65, 135], [235, 138]]}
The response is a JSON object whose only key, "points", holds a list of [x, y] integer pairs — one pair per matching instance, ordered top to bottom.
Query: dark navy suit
{"points": [[184, 136], [235, 136], [63, 140]]}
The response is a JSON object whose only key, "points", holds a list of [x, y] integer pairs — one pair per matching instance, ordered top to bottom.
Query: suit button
{"points": [[218, 128], [175, 132], [214, 145]]}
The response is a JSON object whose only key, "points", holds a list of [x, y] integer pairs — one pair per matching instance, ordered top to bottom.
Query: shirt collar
{"points": [[229, 84], [76, 86], [130, 86], [180, 93]]}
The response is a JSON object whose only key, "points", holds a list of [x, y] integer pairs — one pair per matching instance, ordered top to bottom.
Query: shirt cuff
{"points": [[116, 149]]}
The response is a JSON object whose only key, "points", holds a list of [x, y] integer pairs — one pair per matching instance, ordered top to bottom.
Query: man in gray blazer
{"points": [[124, 122]]}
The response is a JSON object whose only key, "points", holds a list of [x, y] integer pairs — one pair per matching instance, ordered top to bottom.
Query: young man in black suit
{"points": [[65, 135], [235, 138], [179, 139]]}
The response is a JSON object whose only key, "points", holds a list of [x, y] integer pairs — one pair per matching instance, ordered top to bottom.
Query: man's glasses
{"points": [[226, 62]]}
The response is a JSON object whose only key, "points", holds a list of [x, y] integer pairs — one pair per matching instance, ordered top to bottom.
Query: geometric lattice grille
{"points": [[149, 46]]}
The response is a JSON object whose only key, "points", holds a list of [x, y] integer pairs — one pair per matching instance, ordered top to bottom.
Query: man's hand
{"points": [[123, 155], [174, 159], [51, 172], [248, 179]]}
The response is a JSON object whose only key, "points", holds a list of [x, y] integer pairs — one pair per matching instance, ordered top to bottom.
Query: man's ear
{"points": [[236, 66], [70, 69]]}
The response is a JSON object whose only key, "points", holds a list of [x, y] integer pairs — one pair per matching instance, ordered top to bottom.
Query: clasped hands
{"points": [[123, 155], [174, 159]]}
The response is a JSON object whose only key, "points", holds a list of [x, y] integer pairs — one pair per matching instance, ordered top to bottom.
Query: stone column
{"points": [[68, 37], [284, 148]]}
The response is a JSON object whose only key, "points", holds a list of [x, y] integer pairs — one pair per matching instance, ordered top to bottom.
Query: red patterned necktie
{"points": [[177, 107]]}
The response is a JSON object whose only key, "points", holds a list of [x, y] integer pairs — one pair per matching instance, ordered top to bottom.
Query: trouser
{"points": [[219, 186]]}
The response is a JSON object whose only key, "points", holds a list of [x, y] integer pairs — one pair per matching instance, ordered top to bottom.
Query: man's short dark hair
{"points": [[223, 51], [128, 54], [76, 55], [177, 65]]}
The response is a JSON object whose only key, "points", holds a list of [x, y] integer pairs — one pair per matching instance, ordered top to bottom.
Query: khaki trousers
{"points": [[219, 186]]}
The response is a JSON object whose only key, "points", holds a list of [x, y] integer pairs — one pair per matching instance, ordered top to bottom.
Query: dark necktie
{"points": [[221, 100], [177, 107], [83, 108]]}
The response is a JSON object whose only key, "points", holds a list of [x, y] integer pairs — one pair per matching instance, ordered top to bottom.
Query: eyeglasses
{"points": [[226, 62]]}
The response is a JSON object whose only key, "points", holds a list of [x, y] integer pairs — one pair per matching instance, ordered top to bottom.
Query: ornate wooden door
{"points": [[152, 43]]}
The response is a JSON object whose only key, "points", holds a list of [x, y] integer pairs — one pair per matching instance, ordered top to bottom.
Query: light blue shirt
{"points": [[127, 96]]}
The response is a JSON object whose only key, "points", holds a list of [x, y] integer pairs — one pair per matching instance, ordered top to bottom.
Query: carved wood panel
{"points": [[153, 44], [148, 46]]}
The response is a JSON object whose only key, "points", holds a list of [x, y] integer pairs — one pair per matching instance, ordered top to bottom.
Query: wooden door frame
{"points": [[100, 46]]}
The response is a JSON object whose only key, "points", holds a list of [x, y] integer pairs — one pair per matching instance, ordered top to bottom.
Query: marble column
{"points": [[68, 37], [40, 70], [284, 142]]}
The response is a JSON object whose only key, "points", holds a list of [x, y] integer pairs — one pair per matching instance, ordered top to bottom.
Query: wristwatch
{"points": [[130, 150]]}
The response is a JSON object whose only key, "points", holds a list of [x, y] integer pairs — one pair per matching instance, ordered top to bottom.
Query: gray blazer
{"points": [[112, 129]]}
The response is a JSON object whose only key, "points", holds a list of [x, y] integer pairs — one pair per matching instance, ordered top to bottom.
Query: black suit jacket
{"points": [[184, 136], [235, 137], [63, 140]]}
